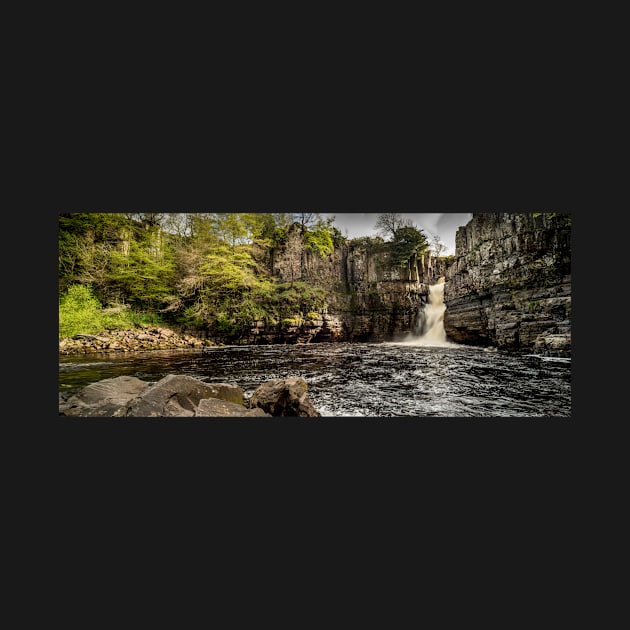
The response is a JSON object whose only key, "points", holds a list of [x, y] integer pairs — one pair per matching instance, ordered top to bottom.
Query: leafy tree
{"points": [[387, 223], [261, 227], [231, 228], [320, 238], [407, 242], [85, 243], [143, 274]]}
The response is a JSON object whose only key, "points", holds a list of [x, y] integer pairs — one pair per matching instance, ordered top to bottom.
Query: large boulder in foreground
{"points": [[177, 395], [185, 396], [284, 397], [103, 398], [216, 408]]}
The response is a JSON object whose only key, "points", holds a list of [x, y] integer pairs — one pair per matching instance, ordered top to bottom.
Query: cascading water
{"points": [[434, 314], [430, 329]]}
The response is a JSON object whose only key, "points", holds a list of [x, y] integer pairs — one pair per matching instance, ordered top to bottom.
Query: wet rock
{"points": [[511, 282], [174, 395], [184, 396], [105, 397], [284, 397], [215, 408]]}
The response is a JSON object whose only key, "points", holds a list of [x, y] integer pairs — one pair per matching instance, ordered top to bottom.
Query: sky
{"points": [[443, 224]]}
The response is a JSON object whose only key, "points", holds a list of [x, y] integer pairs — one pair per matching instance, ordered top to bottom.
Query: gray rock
{"points": [[511, 282], [227, 391], [174, 395], [284, 397], [104, 398], [215, 408]]}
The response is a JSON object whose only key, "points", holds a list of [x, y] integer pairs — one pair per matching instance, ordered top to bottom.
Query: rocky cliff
{"points": [[510, 285], [367, 299]]}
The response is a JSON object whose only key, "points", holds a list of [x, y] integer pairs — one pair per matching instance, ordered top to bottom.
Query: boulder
{"points": [[227, 391], [174, 395], [184, 396], [105, 397], [284, 397], [215, 408]]}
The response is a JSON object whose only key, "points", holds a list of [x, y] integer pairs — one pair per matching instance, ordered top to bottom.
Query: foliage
{"points": [[387, 223], [320, 240], [407, 242], [369, 243], [196, 269], [145, 277], [534, 306], [80, 312]]}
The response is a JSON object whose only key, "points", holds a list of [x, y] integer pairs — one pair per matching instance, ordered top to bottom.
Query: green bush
{"points": [[320, 241], [79, 312]]}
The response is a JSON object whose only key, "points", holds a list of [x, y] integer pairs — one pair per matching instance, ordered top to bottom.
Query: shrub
{"points": [[79, 312]]}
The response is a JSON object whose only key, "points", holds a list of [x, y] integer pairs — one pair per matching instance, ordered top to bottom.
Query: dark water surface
{"points": [[360, 379]]}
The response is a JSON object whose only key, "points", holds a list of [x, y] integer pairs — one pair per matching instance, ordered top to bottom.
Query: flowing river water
{"points": [[422, 376]]}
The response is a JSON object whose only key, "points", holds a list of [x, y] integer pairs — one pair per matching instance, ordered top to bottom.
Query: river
{"points": [[361, 379]]}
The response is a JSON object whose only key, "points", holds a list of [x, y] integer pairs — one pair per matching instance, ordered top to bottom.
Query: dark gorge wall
{"points": [[510, 285], [366, 298]]}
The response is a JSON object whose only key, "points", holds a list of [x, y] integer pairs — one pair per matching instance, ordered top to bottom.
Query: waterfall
{"points": [[434, 315], [430, 327]]}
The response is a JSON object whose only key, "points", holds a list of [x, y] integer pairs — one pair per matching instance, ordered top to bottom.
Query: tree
{"points": [[307, 219], [387, 223], [231, 227], [320, 238], [407, 242], [437, 247], [142, 273]]}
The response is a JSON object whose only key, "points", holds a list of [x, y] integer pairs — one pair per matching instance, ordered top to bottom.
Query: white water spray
{"points": [[430, 329], [434, 333]]}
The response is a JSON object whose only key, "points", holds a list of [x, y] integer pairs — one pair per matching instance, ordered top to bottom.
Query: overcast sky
{"points": [[444, 224]]}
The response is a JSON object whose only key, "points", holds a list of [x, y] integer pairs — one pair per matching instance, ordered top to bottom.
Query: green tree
{"points": [[387, 223], [320, 237], [407, 242], [143, 273]]}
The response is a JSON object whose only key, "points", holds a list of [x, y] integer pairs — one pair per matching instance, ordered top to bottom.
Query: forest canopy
{"points": [[197, 269]]}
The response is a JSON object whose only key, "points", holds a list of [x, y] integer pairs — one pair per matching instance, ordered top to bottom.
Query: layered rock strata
{"points": [[510, 285], [368, 299]]}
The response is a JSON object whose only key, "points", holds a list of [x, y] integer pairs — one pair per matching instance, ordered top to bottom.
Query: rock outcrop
{"points": [[510, 285], [367, 298], [144, 338], [185, 396], [284, 397]]}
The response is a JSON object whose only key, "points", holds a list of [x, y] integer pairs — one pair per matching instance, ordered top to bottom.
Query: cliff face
{"points": [[510, 285], [367, 299]]}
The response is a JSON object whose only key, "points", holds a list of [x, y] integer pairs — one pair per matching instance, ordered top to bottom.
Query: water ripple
{"points": [[377, 380]]}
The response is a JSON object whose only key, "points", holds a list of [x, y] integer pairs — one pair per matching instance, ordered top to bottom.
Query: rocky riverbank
{"points": [[143, 338], [186, 396]]}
